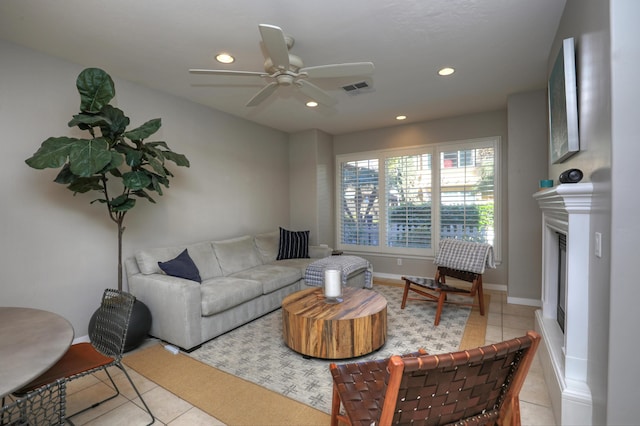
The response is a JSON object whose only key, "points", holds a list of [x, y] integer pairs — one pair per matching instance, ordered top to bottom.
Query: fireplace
{"points": [[561, 307], [563, 320]]}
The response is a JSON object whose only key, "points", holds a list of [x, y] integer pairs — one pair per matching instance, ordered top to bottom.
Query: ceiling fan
{"points": [[281, 68]]}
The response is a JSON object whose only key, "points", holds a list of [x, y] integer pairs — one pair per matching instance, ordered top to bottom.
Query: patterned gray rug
{"points": [[256, 352]]}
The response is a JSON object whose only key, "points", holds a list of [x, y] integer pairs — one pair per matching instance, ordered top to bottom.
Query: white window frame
{"points": [[434, 150]]}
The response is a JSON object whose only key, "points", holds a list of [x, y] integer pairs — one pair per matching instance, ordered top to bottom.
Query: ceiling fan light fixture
{"points": [[225, 58], [446, 71], [311, 104]]}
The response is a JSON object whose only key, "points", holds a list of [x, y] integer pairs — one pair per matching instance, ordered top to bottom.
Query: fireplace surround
{"points": [[566, 210]]}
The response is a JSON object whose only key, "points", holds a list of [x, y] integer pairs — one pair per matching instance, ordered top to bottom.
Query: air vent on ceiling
{"points": [[357, 88]]}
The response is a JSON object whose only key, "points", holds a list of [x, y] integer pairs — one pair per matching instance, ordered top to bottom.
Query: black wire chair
{"points": [[104, 351], [42, 406]]}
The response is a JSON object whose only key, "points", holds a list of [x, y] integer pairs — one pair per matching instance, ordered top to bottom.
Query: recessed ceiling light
{"points": [[225, 58], [446, 71], [312, 104], [401, 117]]}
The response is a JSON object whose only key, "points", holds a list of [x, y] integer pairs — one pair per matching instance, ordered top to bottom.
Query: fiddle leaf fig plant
{"points": [[114, 162]]}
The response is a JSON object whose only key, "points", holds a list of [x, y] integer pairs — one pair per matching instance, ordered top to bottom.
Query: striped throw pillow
{"points": [[293, 244]]}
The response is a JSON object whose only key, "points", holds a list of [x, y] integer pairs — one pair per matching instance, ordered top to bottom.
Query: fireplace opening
{"points": [[561, 309]]}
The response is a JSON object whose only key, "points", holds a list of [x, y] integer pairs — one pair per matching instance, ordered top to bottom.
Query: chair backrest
{"points": [[465, 255], [111, 323], [476, 385], [42, 406]]}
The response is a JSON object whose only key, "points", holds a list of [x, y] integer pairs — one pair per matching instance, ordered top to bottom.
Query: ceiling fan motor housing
{"points": [[295, 63]]}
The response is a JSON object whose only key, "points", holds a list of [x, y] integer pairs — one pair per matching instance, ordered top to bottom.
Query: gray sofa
{"points": [[241, 281]]}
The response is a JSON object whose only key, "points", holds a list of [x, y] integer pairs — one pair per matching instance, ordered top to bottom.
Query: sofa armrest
{"points": [[319, 252], [175, 306]]}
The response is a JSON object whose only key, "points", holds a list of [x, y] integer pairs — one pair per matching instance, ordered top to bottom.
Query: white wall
{"points": [[526, 165], [311, 184], [58, 252], [623, 371]]}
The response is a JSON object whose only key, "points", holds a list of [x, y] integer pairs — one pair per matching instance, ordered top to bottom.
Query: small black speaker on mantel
{"points": [[570, 176]]}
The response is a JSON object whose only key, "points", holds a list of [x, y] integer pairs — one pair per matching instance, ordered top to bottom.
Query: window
{"points": [[403, 201], [408, 201], [360, 214]]}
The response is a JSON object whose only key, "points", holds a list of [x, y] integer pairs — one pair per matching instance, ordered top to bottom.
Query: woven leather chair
{"points": [[463, 260], [105, 350], [477, 386], [42, 406]]}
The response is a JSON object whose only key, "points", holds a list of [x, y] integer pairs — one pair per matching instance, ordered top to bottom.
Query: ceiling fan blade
{"points": [[276, 45], [339, 70], [227, 72], [315, 93], [263, 94]]}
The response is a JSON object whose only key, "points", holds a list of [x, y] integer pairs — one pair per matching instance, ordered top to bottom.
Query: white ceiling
{"points": [[498, 47]]}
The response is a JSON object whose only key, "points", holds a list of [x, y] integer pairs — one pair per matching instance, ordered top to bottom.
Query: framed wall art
{"points": [[563, 105]]}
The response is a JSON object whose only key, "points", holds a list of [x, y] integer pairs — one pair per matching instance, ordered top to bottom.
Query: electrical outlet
{"points": [[598, 244], [399, 262]]}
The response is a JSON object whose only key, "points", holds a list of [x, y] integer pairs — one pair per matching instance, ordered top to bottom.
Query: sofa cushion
{"points": [[293, 244], [267, 245], [201, 253], [236, 254], [300, 264], [182, 267], [272, 277], [222, 293]]}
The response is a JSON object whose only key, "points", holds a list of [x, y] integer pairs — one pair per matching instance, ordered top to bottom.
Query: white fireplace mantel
{"points": [[566, 209]]}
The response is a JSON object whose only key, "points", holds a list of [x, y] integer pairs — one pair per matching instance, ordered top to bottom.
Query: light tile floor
{"points": [[504, 322]]}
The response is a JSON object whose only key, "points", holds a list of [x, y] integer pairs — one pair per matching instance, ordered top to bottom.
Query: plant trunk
{"points": [[120, 231]]}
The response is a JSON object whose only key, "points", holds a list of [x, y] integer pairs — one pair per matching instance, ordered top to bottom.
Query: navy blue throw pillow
{"points": [[293, 244], [182, 267]]}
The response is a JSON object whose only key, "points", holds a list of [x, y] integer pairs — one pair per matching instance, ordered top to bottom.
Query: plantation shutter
{"points": [[408, 201], [467, 202], [360, 211]]}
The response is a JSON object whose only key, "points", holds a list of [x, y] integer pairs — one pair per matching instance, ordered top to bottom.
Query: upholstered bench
{"points": [[356, 271]]}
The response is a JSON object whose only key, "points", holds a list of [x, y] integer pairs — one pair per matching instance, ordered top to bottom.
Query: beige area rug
{"points": [[232, 400], [236, 401]]}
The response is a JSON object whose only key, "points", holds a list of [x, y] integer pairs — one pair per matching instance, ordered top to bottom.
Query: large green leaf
{"points": [[96, 89], [86, 121], [115, 124], [144, 131], [158, 143], [153, 152], [53, 153], [89, 156], [133, 156], [179, 159], [116, 160], [157, 166], [65, 176], [136, 180], [86, 184], [143, 194], [122, 203]]}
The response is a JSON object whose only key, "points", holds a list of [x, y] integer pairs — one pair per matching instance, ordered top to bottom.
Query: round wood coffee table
{"points": [[315, 328]]}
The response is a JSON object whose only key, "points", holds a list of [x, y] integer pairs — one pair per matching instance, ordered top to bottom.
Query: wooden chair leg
{"points": [[405, 294], [442, 297], [481, 297], [335, 406]]}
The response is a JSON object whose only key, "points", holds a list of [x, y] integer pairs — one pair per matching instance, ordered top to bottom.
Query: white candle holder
{"points": [[333, 286]]}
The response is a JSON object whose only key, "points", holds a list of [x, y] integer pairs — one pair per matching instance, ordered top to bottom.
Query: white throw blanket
{"points": [[465, 255], [314, 274]]}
